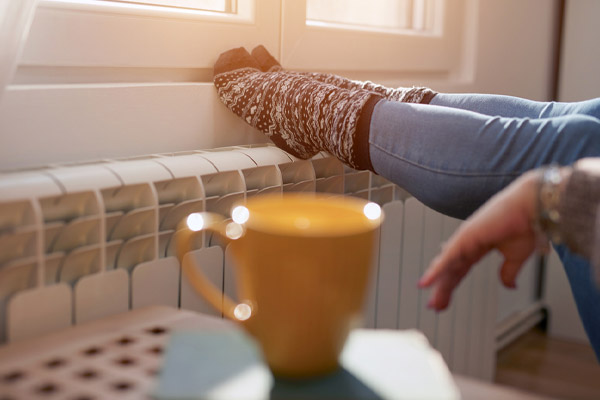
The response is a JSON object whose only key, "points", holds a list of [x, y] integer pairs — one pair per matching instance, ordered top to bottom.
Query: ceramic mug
{"points": [[302, 264]]}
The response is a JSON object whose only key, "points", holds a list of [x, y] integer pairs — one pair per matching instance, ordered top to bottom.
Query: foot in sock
{"points": [[407, 95], [300, 115]]}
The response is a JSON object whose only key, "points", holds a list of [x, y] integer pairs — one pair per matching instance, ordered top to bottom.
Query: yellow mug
{"points": [[302, 265]]}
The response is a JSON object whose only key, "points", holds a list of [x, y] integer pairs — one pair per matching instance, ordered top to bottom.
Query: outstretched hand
{"points": [[504, 223]]}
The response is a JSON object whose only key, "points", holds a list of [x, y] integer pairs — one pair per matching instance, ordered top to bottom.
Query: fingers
{"points": [[503, 223], [464, 249], [516, 251], [457, 256], [433, 271], [446, 272], [509, 272], [444, 277], [447, 282], [442, 293]]}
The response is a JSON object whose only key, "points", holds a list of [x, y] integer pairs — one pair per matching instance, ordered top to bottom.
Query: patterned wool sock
{"points": [[407, 95], [299, 114]]}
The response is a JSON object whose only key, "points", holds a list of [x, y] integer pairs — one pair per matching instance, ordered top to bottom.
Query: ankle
{"points": [[361, 145]]}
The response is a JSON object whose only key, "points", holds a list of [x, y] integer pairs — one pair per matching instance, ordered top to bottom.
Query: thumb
{"points": [[515, 251], [509, 272]]}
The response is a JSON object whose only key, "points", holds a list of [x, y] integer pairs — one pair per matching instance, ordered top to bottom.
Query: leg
{"points": [[409, 94], [493, 105], [508, 106], [298, 114], [454, 160], [586, 294]]}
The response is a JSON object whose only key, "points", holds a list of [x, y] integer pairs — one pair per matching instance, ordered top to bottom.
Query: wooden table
{"points": [[119, 358]]}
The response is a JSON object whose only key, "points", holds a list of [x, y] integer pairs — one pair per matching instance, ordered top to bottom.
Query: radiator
{"points": [[80, 242]]}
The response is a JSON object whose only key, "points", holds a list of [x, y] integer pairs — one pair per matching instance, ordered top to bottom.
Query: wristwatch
{"points": [[549, 193]]}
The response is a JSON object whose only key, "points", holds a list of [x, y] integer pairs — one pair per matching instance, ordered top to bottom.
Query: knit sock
{"points": [[407, 95], [299, 114]]}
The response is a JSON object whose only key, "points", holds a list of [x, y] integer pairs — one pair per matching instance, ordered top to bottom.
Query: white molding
{"points": [[244, 11], [95, 34], [327, 47], [518, 324]]}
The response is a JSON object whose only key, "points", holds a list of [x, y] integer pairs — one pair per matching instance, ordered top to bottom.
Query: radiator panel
{"points": [[87, 241]]}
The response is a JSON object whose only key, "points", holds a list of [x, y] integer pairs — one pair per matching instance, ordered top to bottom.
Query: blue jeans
{"points": [[456, 152]]}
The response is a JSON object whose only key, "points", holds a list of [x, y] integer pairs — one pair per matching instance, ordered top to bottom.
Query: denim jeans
{"points": [[456, 152]]}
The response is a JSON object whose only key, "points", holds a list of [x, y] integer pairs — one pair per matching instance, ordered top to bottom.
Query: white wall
{"points": [[516, 48], [508, 49], [580, 61]]}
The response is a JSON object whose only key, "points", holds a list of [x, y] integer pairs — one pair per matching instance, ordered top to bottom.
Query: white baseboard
{"points": [[516, 325]]}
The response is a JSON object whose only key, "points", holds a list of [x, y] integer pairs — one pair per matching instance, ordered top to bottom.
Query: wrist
{"points": [[551, 183]]}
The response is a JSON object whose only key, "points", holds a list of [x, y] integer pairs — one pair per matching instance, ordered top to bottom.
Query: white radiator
{"points": [[80, 242]]}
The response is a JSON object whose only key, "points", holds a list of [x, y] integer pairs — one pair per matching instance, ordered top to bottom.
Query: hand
{"points": [[505, 223]]}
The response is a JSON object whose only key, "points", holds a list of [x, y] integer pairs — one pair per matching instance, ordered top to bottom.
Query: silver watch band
{"points": [[549, 193]]}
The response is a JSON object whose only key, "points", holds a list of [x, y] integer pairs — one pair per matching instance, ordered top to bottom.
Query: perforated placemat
{"points": [[114, 358]]}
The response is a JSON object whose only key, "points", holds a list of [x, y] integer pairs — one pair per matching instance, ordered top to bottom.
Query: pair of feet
{"points": [[304, 113]]}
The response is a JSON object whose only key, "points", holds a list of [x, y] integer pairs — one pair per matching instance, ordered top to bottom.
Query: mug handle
{"points": [[186, 231]]}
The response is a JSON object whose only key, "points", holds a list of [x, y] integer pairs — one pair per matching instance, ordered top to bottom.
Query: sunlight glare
{"points": [[372, 211], [240, 215], [195, 222], [302, 223], [234, 230], [242, 311]]}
